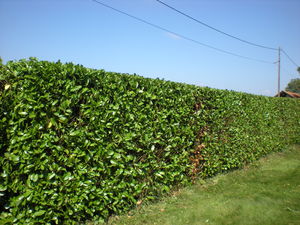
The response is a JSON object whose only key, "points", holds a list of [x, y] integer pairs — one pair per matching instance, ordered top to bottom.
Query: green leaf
{"points": [[76, 88], [23, 113], [32, 115], [75, 133], [12, 157], [113, 162], [68, 176], [34, 177], [3, 188], [39, 213]]}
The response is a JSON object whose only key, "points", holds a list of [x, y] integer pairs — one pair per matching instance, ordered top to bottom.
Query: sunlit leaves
{"points": [[87, 142], [78, 143]]}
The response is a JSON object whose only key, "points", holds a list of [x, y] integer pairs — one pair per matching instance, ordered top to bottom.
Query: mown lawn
{"points": [[266, 192]]}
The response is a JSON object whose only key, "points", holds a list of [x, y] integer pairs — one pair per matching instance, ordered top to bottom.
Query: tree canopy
{"points": [[294, 85]]}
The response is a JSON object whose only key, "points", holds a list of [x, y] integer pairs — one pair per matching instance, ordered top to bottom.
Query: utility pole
{"points": [[279, 71]]}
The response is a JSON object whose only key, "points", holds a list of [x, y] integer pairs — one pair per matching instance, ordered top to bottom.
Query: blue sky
{"points": [[83, 32]]}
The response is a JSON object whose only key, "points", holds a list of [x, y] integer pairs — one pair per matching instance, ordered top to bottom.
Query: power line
{"points": [[215, 29], [180, 35], [289, 58]]}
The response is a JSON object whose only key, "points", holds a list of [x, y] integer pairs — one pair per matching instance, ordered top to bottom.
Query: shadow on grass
{"points": [[267, 192]]}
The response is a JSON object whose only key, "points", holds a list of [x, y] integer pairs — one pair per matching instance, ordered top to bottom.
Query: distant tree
{"points": [[1, 62], [298, 69], [294, 86]]}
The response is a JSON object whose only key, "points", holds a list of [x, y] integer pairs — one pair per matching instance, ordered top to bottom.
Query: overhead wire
{"points": [[215, 29], [222, 32], [180, 35], [291, 60]]}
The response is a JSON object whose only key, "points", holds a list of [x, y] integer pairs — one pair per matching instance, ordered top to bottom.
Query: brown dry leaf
{"points": [[139, 202]]}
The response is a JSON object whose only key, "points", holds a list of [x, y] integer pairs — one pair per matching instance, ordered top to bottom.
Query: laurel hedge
{"points": [[78, 144]]}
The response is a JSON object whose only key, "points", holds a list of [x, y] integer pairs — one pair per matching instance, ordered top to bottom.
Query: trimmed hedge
{"points": [[79, 144]]}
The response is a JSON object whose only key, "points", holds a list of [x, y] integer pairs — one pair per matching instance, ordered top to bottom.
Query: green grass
{"points": [[266, 192]]}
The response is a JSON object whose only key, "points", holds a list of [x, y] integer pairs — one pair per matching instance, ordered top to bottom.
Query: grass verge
{"points": [[266, 192]]}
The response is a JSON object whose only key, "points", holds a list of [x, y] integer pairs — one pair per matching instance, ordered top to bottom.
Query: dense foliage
{"points": [[294, 86], [77, 143]]}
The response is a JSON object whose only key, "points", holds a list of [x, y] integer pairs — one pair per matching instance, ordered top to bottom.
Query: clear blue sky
{"points": [[83, 32]]}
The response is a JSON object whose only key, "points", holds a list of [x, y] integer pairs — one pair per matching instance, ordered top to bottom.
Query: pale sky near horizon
{"points": [[87, 33]]}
